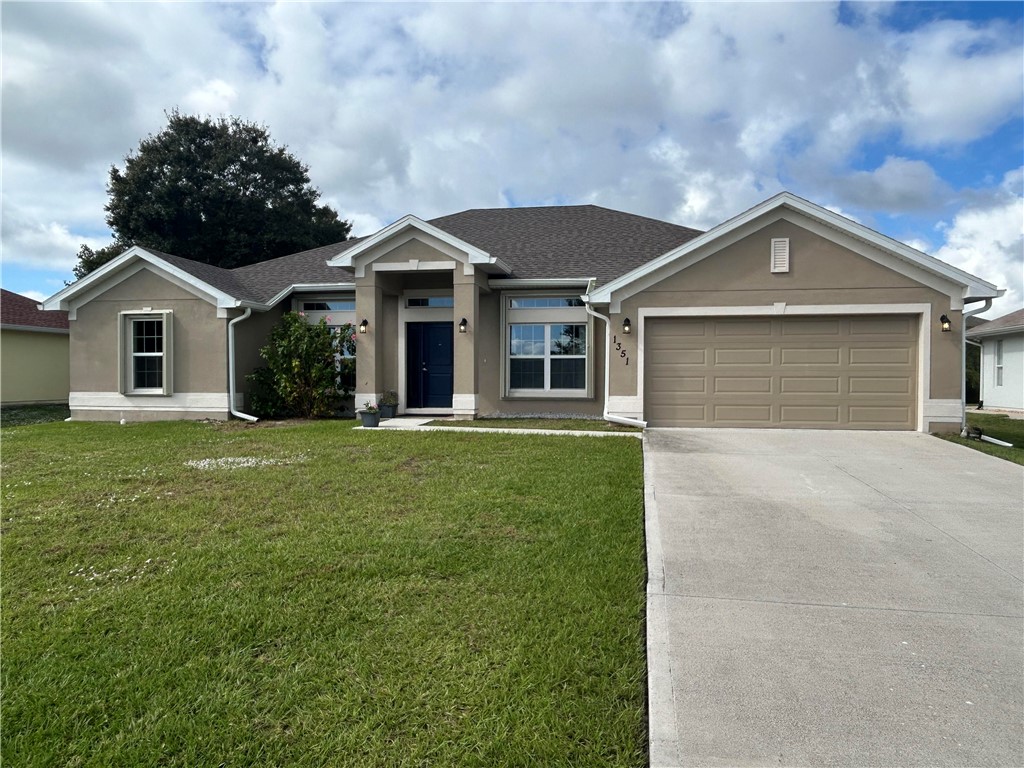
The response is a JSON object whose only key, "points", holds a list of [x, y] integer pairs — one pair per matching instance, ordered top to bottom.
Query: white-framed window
{"points": [[547, 350], [146, 352], [999, 362]]}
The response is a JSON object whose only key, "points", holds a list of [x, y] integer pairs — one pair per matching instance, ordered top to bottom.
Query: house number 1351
{"points": [[623, 354]]}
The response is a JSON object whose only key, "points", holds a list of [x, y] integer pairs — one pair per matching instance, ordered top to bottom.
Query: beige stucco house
{"points": [[787, 315], [34, 357]]}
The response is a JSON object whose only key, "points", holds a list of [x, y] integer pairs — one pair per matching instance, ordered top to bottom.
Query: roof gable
{"points": [[959, 285]]}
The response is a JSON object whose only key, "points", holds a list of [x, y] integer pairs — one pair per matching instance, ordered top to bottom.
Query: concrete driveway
{"points": [[833, 598]]}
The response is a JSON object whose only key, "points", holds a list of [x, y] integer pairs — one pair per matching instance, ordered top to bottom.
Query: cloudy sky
{"points": [[907, 117]]}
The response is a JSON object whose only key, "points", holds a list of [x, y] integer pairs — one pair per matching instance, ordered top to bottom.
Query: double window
{"points": [[548, 351], [146, 353]]}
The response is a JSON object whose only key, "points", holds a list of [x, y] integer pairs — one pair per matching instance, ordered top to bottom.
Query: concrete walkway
{"points": [[421, 425], [833, 598]]}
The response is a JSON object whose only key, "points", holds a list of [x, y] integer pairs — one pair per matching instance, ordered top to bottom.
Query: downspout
{"points": [[963, 362], [231, 366], [607, 366]]}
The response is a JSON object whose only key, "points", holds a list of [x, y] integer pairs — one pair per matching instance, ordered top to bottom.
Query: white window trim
{"points": [[547, 316], [126, 356], [999, 363]]}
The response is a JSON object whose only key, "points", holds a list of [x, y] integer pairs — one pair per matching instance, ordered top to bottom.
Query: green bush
{"points": [[301, 377]]}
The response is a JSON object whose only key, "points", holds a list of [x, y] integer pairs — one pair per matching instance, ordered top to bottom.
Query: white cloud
{"points": [[898, 185], [986, 239]]}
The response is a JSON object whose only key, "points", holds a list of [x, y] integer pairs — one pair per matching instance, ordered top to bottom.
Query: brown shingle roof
{"points": [[566, 241], [572, 241], [16, 309], [1008, 323]]}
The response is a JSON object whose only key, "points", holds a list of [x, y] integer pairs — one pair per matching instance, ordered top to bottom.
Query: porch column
{"points": [[466, 293], [369, 350]]}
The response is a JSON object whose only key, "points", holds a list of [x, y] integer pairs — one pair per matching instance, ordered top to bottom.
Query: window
{"points": [[431, 301], [334, 305], [547, 352], [146, 353], [999, 362]]}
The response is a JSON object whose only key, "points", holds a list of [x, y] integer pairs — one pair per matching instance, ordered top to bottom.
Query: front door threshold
{"points": [[427, 412]]}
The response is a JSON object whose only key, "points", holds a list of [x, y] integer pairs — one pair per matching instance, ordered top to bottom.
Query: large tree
{"points": [[217, 191]]}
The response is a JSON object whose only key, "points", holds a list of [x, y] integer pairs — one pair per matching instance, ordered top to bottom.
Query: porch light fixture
{"points": [[364, 325], [463, 325], [946, 325], [627, 326]]}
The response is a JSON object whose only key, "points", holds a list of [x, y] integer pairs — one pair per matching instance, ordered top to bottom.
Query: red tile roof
{"points": [[16, 309]]}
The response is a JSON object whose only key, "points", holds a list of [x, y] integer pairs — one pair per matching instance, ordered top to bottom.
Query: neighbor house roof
{"points": [[19, 312], [1011, 323]]}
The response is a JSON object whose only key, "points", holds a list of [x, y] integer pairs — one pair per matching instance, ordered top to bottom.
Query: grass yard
{"points": [[19, 415], [589, 425], [999, 426], [194, 594]]}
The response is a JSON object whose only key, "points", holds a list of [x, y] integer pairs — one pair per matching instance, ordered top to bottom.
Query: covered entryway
{"points": [[430, 364], [830, 372]]}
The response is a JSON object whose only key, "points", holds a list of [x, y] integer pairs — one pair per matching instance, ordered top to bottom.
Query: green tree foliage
{"points": [[216, 191], [307, 372], [972, 373]]}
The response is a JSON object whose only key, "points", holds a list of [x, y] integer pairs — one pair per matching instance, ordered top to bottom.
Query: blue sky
{"points": [[908, 117]]}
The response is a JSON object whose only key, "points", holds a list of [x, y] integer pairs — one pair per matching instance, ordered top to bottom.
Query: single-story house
{"points": [[787, 315], [34, 352], [1002, 361]]}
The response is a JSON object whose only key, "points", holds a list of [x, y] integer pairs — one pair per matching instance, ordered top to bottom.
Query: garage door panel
{"points": [[809, 372]]}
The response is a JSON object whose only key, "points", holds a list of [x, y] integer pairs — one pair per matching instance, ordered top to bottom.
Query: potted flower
{"points": [[389, 404], [370, 414]]}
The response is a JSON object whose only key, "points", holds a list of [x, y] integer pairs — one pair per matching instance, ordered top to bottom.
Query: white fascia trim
{"points": [[409, 222], [97, 278], [538, 282], [971, 285], [306, 288], [35, 329], [1006, 330], [924, 338], [179, 401]]}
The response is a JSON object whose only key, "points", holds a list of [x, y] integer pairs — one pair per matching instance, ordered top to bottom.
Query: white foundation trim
{"points": [[924, 338], [362, 398], [179, 401], [464, 404], [630, 406], [942, 410]]}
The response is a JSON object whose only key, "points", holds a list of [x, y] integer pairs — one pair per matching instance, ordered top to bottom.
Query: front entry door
{"points": [[430, 365]]}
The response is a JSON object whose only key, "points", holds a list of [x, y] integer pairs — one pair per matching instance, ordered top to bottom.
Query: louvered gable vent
{"points": [[780, 254]]}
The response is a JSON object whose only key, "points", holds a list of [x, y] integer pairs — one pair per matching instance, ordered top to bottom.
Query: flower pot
{"points": [[388, 411], [369, 419]]}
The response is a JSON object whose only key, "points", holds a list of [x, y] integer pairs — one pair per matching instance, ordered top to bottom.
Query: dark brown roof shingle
{"points": [[19, 310]]}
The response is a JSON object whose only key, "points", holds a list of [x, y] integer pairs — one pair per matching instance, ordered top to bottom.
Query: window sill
{"points": [[542, 395]]}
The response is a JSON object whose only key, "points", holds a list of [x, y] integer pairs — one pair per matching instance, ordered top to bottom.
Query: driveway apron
{"points": [[833, 598]]}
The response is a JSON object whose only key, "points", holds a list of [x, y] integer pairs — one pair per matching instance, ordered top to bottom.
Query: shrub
{"points": [[300, 378]]}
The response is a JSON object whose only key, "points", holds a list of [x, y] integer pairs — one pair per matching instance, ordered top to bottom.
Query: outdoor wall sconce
{"points": [[364, 325], [463, 325], [946, 325], [627, 326]]}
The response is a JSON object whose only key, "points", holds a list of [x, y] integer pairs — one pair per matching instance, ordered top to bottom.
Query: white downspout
{"points": [[963, 363], [231, 366], [608, 368]]}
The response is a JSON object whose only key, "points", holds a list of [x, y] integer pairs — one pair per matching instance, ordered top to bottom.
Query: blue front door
{"points": [[430, 365]]}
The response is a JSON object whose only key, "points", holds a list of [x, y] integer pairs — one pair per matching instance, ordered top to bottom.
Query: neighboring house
{"points": [[788, 315], [34, 357], [1002, 361]]}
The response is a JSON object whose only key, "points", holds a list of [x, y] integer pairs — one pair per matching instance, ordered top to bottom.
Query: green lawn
{"points": [[18, 415], [588, 425], [999, 426], [194, 594]]}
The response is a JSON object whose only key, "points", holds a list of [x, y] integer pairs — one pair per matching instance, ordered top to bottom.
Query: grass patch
{"points": [[20, 415], [589, 425], [999, 426], [181, 594]]}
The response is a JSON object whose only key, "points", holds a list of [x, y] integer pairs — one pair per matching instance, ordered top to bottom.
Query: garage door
{"points": [[795, 372]]}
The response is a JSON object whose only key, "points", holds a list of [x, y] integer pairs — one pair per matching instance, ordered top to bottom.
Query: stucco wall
{"points": [[821, 273], [199, 347], [34, 367], [1011, 393]]}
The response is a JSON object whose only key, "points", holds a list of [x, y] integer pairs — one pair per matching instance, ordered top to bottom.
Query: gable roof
{"points": [[567, 241], [899, 255], [19, 312], [1011, 323]]}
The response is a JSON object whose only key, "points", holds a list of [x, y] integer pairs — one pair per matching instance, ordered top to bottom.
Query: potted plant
{"points": [[389, 404], [370, 414]]}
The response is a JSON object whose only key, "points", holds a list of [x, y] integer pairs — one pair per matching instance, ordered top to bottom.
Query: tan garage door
{"points": [[806, 372]]}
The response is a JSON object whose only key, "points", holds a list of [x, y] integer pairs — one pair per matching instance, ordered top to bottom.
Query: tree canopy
{"points": [[216, 191]]}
